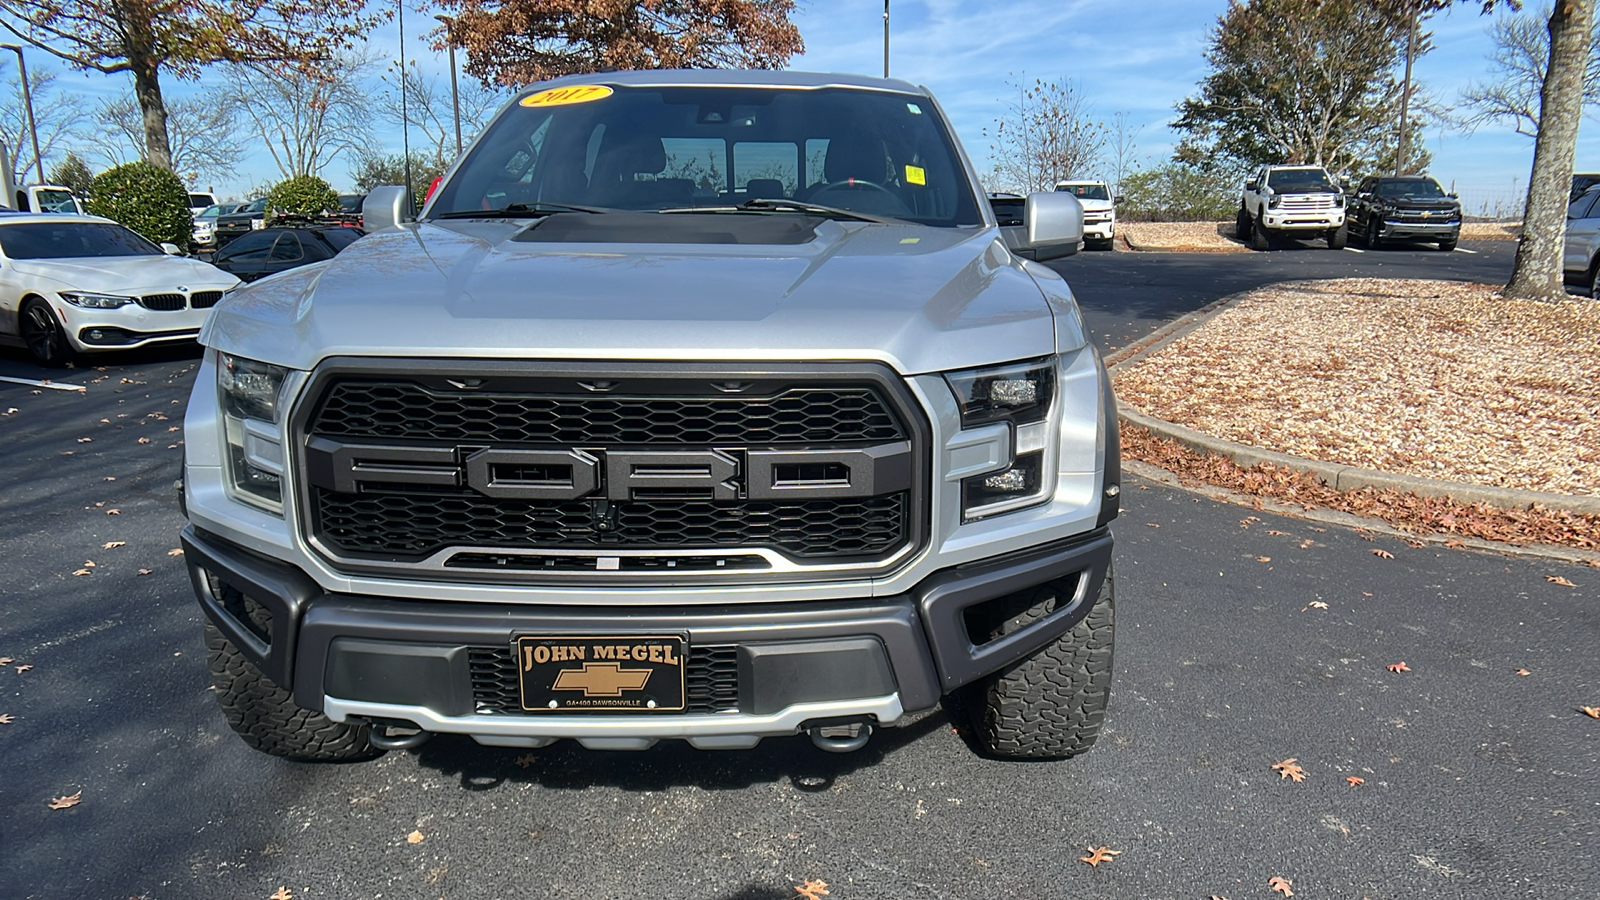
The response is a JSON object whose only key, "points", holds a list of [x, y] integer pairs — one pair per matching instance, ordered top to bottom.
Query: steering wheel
{"points": [[854, 183]]}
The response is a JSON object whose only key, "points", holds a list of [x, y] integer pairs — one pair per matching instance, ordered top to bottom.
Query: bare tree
{"points": [[1519, 62], [428, 107], [60, 116], [304, 121], [1045, 135], [202, 138], [1122, 148]]}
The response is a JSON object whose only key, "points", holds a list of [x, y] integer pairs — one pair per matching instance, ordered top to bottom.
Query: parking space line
{"points": [[1354, 250], [1465, 250], [44, 384]]}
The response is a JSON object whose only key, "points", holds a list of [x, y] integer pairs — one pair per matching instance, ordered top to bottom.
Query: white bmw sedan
{"points": [[76, 284]]}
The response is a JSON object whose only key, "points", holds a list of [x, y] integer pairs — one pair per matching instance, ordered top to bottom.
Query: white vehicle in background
{"points": [[47, 198], [200, 201], [1291, 202], [1099, 211], [205, 224], [75, 284]]}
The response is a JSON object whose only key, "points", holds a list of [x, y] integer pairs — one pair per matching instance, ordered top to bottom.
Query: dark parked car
{"points": [[1404, 208], [350, 209], [243, 220], [268, 251]]}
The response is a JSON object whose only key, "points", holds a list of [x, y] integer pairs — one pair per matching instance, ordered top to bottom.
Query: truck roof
{"points": [[731, 78]]}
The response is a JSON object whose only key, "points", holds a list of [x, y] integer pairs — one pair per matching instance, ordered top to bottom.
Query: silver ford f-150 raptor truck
{"points": [[696, 405]]}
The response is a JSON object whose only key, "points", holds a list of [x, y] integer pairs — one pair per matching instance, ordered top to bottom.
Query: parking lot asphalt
{"points": [[1475, 781]]}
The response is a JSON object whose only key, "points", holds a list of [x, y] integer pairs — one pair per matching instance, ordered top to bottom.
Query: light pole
{"points": [[886, 38], [455, 96], [27, 103]]}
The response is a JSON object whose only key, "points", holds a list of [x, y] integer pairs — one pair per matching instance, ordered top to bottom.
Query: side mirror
{"points": [[1250, 185], [1364, 195], [1453, 195], [1119, 200], [387, 207], [1054, 225], [171, 249]]}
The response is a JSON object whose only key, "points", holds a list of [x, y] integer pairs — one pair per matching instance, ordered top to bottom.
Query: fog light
{"points": [[95, 335], [1012, 479], [983, 495]]}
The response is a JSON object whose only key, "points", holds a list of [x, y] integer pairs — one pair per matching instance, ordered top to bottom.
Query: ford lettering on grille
{"points": [[614, 474]]}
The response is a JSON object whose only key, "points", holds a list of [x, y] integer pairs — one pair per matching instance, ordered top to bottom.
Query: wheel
{"points": [[1241, 225], [1338, 237], [1259, 238], [1373, 241], [1100, 243], [1447, 246], [1594, 282], [42, 332], [1051, 705], [266, 717]]}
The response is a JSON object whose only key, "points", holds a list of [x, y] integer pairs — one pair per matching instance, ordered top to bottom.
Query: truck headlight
{"points": [[1273, 201], [1338, 201], [91, 300], [250, 394], [1021, 395]]}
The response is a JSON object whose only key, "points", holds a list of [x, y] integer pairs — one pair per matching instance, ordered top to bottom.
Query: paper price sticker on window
{"points": [[578, 93], [915, 175]]}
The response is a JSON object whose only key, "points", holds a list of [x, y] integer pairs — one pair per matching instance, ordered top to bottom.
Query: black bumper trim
{"points": [[922, 631]]}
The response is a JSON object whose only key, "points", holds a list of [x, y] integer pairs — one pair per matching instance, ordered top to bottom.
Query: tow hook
{"points": [[844, 737], [381, 738]]}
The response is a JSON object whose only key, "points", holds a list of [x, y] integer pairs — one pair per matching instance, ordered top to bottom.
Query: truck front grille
{"points": [[1306, 202], [814, 470], [711, 677]]}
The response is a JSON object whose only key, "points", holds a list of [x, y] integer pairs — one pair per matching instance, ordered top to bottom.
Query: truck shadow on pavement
{"points": [[566, 765]]}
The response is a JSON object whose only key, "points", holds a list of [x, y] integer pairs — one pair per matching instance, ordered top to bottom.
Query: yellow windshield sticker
{"points": [[578, 93], [915, 175]]}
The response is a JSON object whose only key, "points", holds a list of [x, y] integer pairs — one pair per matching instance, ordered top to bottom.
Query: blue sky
{"points": [[1137, 56]]}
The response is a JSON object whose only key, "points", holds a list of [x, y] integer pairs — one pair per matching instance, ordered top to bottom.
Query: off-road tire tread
{"points": [[1338, 238], [1260, 239], [1051, 705], [266, 717]]}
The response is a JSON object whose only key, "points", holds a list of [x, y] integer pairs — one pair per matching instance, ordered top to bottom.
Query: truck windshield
{"points": [[876, 153], [1300, 179], [1410, 189], [1085, 191], [51, 200], [71, 240]]}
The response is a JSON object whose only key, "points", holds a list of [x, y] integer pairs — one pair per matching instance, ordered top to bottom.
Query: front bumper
{"points": [[1311, 220], [1100, 230], [1419, 231], [128, 327], [871, 659]]}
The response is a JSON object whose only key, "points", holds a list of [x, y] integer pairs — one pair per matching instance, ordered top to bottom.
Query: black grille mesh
{"points": [[204, 299], [163, 302], [799, 416], [417, 524], [711, 677]]}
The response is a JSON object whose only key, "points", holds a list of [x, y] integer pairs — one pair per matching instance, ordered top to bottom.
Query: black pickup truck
{"points": [[1405, 208], [241, 221]]}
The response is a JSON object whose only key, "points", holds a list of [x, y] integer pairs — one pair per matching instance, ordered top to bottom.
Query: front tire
{"points": [[1242, 225], [1338, 238], [1260, 239], [1374, 242], [1447, 246], [42, 333], [1051, 705], [266, 717]]}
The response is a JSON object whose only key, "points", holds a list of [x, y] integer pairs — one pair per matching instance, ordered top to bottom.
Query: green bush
{"points": [[302, 195], [149, 199]]}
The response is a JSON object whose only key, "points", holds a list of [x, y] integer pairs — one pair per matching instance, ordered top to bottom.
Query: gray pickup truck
{"points": [[695, 405]]}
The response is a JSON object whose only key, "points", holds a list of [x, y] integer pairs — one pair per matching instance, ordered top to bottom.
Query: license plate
{"points": [[612, 674]]}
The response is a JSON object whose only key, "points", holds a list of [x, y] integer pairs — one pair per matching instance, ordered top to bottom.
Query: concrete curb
{"points": [[1233, 246], [1335, 475]]}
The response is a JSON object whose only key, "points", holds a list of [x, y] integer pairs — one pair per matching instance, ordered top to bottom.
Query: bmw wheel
{"points": [[42, 332]]}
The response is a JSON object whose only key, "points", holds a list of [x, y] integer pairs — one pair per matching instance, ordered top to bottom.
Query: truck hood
{"points": [[1433, 204], [1096, 205], [918, 298]]}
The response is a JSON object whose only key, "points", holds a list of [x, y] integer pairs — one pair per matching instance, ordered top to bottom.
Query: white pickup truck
{"points": [[1291, 201], [1099, 211]]}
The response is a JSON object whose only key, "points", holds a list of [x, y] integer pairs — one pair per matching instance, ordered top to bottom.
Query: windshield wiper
{"points": [[764, 205], [535, 210]]}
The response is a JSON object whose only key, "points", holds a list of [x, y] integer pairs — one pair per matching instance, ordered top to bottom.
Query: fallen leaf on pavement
{"points": [[85, 440], [109, 478], [113, 512], [1151, 525], [1279, 533], [1306, 543], [110, 544], [1454, 544], [178, 552], [1383, 554], [1263, 559], [88, 564], [145, 571], [81, 572], [1557, 579], [1317, 604], [5, 660], [1399, 667], [21, 669], [1523, 672], [1592, 712], [6, 718], [526, 760], [1288, 769], [1356, 780], [66, 802], [414, 837], [1098, 855], [1281, 885], [812, 888], [282, 893]]}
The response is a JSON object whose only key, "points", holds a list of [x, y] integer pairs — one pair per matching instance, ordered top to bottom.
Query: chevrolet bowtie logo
{"points": [[601, 680]]}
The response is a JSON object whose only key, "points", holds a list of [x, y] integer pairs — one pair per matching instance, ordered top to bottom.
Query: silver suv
{"points": [[697, 405]]}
